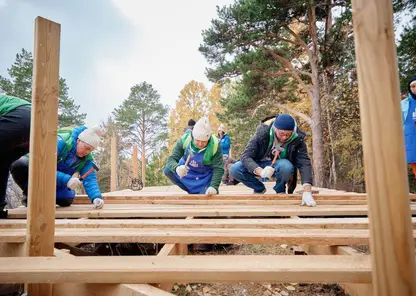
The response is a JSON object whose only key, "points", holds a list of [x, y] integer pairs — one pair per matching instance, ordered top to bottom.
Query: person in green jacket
{"points": [[14, 136], [196, 163]]}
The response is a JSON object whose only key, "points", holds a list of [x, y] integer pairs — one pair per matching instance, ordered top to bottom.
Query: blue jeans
{"points": [[284, 170], [175, 180]]}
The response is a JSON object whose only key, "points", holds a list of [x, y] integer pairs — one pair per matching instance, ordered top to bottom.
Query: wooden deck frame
{"points": [[392, 265]]}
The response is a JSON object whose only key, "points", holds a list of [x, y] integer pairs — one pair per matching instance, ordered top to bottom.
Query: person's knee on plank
{"points": [[277, 137], [74, 156], [196, 165]]}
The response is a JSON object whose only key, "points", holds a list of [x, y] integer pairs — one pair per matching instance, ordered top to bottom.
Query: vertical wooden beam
{"points": [[43, 137], [135, 163], [143, 166], [113, 182], [392, 247]]}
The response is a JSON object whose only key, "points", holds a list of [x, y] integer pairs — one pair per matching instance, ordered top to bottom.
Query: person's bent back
{"points": [[14, 136]]}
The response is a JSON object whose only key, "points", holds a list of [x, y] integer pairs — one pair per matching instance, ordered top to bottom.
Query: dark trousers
{"points": [[14, 142], [20, 173]]}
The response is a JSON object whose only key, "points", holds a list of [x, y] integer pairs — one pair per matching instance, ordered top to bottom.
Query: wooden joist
{"points": [[169, 196], [295, 201], [131, 211], [300, 223], [203, 235], [197, 269], [81, 289], [353, 289], [107, 290]]}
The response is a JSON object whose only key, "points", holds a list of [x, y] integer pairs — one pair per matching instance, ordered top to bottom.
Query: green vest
{"points": [[9, 103], [211, 149]]}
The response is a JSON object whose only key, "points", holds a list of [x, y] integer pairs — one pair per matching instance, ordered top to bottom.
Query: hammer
{"points": [[278, 150], [191, 154], [94, 168]]}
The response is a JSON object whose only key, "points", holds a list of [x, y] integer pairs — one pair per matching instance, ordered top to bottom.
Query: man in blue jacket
{"points": [[408, 107], [224, 141], [74, 155]]}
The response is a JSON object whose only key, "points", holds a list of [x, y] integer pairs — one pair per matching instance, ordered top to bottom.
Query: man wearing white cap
{"points": [[74, 155], [196, 164]]}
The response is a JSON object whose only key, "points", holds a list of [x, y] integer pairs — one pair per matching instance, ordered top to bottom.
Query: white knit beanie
{"points": [[221, 128], [202, 129], [91, 136]]}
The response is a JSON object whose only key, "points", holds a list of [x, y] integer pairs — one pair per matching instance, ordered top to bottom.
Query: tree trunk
{"points": [[328, 83], [328, 86], [317, 134], [333, 170]]}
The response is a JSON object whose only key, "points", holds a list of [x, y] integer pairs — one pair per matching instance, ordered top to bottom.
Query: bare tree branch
{"points": [[301, 42], [289, 66], [297, 113]]}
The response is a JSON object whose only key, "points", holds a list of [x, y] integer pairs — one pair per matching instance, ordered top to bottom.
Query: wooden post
{"points": [[43, 137], [135, 163], [143, 166], [113, 184], [392, 247]]}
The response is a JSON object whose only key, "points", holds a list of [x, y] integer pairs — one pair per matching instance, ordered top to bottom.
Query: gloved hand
{"points": [[182, 170], [267, 172], [73, 183], [211, 191], [307, 199], [98, 203]]}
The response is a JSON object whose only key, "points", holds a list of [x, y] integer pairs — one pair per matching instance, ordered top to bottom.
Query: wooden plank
{"points": [[42, 164], [113, 180], [143, 195], [84, 201], [114, 211], [309, 223], [205, 235], [392, 246], [168, 249], [172, 249], [197, 269], [70, 289], [352, 289], [108, 290]]}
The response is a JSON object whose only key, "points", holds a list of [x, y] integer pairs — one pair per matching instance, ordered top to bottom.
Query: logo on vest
{"points": [[193, 163]]}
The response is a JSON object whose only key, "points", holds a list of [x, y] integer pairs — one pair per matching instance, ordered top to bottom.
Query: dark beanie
{"points": [[410, 81], [408, 85], [191, 122], [284, 122]]}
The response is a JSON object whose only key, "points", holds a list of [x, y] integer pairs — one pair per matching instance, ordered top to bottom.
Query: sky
{"points": [[107, 46]]}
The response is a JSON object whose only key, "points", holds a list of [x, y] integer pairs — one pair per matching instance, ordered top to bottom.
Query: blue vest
{"points": [[410, 130], [199, 176]]}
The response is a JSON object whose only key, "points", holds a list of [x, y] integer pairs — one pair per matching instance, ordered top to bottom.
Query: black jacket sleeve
{"points": [[250, 153], [302, 162]]}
